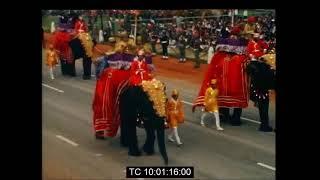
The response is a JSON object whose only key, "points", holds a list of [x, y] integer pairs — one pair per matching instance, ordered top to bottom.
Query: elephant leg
{"points": [[63, 65], [72, 68], [86, 68], [225, 114], [123, 117], [128, 117], [236, 117], [123, 131], [123, 134], [100, 135], [132, 139], [149, 144], [162, 145]]}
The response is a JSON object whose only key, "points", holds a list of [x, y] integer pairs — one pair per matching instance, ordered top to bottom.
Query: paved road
{"points": [[71, 151]]}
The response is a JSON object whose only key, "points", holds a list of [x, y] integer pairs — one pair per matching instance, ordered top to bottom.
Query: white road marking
{"points": [[58, 90], [187, 103], [246, 119], [67, 140], [123, 152], [98, 154], [267, 166]]}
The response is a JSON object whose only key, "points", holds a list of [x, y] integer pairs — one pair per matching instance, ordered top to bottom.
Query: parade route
{"points": [[70, 150]]}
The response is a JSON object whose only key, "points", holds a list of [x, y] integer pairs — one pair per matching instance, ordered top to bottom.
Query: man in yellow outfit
{"points": [[211, 104], [175, 116]]}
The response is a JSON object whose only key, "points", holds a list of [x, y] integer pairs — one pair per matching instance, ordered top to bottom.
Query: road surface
{"points": [[70, 150]]}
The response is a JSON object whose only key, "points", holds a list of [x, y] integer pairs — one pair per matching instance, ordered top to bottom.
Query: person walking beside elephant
{"points": [[52, 59], [211, 104], [175, 116]]}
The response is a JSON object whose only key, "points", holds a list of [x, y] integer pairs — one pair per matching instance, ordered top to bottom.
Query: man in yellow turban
{"points": [[211, 103], [175, 116]]}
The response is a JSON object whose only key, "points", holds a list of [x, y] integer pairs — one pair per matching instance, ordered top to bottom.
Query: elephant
{"points": [[72, 47], [79, 51], [119, 103], [135, 104]]}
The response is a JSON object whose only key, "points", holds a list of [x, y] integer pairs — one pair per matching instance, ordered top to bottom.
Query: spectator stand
{"points": [[188, 20]]}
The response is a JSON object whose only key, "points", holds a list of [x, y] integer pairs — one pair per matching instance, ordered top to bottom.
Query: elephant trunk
{"points": [[162, 145]]}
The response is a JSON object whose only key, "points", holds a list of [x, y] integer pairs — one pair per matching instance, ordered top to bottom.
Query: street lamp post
{"points": [[136, 13], [232, 17], [101, 18], [135, 28]]}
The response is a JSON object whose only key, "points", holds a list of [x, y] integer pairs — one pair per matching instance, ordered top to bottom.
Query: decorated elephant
{"points": [[73, 45], [82, 47], [262, 82], [118, 103], [145, 104]]}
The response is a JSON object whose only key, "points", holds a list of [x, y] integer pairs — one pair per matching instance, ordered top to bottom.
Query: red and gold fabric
{"points": [[251, 19], [80, 26], [61, 41], [263, 44], [255, 49], [139, 71], [113, 80], [232, 81], [106, 114]]}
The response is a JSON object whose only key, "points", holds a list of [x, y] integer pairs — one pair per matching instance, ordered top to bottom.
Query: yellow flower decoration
{"points": [[155, 90]]}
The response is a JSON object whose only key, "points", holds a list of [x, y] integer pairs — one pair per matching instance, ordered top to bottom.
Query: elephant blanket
{"points": [[228, 67], [113, 75], [106, 115]]}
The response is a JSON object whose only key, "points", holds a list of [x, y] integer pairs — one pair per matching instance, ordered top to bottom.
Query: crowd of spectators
{"points": [[187, 25], [182, 28]]}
